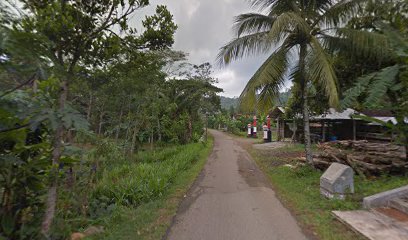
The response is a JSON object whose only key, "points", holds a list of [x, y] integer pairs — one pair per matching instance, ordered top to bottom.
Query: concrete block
{"points": [[337, 179], [382, 199], [401, 204]]}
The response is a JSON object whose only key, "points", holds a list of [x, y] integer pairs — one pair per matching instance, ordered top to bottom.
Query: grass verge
{"points": [[298, 189], [151, 219]]}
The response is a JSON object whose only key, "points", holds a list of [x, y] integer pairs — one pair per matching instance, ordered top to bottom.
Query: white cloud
{"points": [[204, 26]]}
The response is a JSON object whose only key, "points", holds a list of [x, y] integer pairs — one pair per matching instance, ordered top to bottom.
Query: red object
{"points": [[268, 120], [254, 130]]}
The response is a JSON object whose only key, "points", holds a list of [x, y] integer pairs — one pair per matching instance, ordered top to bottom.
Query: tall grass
{"points": [[146, 179], [107, 180], [150, 220]]}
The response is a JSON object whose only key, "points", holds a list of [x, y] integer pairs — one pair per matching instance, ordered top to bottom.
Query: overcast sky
{"points": [[203, 27]]}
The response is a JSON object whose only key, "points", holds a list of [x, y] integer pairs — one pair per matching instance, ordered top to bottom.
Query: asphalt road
{"points": [[232, 199]]}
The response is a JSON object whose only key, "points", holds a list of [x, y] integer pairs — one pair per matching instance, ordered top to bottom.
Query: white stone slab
{"points": [[337, 179], [373, 226]]}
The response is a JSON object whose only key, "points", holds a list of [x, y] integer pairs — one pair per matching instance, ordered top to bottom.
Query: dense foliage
{"points": [[310, 30], [334, 44], [380, 85], [81, 89]]}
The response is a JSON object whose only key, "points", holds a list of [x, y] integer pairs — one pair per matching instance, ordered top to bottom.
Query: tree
{"points": [[160, 29], [77, 30], [309, 31], [62, 62], [350, 66], [387, 87]]}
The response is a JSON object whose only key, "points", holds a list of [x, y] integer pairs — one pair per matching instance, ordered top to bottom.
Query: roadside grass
{"points": [[241, 134], [298, 189], [149, 215]]}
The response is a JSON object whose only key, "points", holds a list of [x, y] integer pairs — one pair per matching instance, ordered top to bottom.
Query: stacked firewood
{"points": [[368, 158]]}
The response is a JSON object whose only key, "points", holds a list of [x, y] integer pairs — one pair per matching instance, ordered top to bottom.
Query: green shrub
{"points": [[135, 183]]}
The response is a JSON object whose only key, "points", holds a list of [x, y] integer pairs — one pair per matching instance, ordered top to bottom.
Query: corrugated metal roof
{"points": [[277, 112], [332, 114], [393, 120]]}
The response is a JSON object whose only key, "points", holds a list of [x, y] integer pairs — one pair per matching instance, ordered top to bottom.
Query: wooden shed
{"points": [[278, 115], [333, 125]]}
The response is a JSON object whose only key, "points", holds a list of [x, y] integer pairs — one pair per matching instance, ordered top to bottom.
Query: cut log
{"points": [[369, 158], [321, 163]]}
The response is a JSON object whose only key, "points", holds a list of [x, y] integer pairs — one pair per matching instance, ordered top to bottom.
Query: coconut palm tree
{"points": [[301, 37]]}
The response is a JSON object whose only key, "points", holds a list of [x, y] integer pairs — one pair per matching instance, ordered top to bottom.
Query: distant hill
{"points": [[227, 102]]}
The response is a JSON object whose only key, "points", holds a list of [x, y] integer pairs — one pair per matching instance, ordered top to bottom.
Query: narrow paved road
{"points": [[232, 200]]}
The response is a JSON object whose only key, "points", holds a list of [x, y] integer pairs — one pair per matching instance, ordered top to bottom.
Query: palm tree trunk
{"points": [[305, 107], [308, 150], [51, 201]]}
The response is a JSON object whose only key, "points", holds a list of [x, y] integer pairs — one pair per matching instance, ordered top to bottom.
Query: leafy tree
{"points": [[160, 29], [308, 31], [74, 33], [65, 65], [348, 65], [379, 85], [386, 88]]}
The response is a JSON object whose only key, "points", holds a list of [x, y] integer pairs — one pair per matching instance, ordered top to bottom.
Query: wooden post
{"points": [[354, 130], [323, 131]]}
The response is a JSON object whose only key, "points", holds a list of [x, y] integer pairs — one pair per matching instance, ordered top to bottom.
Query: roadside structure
{"points": [[334, 125]]}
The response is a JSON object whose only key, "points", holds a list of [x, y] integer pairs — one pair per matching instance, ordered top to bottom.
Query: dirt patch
{"points": [[270, 146], [284, 155], [276, 158], [252, 175]]}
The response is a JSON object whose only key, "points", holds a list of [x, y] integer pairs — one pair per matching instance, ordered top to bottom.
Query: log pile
{"points": [[368, 158]]}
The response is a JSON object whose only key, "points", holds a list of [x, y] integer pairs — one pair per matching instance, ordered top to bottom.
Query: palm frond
{"points": [[264, 4], [317, 6], [280, 7], [340, 12], [252, 22], [285, 24], [397, 41], [361, 43], [248, 45], [321, 70], [267, 79], [383, 81], [375, 84], [351, 95], [266, 98]]}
